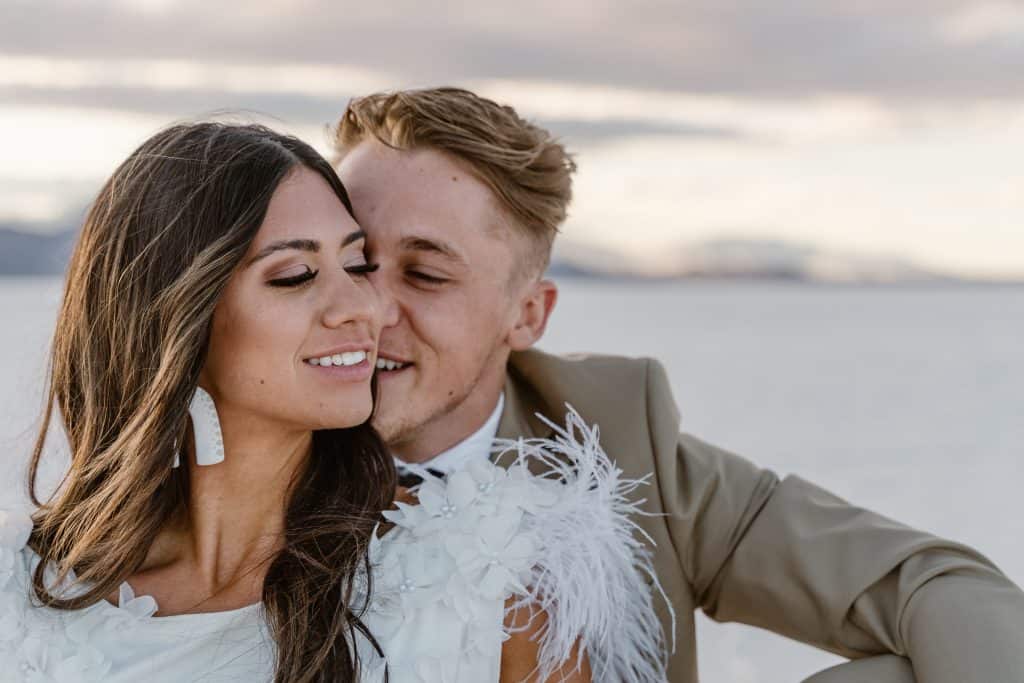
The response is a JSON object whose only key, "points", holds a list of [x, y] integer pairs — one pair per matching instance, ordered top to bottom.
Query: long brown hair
{"points": [[157, 249]]}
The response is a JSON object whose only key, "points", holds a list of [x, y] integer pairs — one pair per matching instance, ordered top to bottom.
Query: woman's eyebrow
{"points": [[354, 237], [301, 245]]}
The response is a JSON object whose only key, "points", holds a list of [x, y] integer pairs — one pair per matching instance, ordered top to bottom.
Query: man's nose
{"points": [[389, 309], [390, 313]]}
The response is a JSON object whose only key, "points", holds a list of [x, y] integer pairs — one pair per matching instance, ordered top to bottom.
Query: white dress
{"points": [[563, 542]]}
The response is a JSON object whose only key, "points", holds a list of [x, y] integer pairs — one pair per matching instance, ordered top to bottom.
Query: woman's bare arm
{"points": [[521, 652]]}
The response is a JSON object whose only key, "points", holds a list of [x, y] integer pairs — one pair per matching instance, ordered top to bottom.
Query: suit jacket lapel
{"points": [[516, 416], [518, 419]]}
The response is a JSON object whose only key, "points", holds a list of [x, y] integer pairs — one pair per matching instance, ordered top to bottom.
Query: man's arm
{"points": [[792, 558], [820, 570], [877, 669]]}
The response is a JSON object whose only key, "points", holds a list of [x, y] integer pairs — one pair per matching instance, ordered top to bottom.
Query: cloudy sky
{"points": [[883, 126]]}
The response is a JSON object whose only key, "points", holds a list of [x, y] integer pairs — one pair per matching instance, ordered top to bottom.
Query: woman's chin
{"points": [[345, 418]]}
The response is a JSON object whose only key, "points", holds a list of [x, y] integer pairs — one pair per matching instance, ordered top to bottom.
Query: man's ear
{"points": [[534, 310]]}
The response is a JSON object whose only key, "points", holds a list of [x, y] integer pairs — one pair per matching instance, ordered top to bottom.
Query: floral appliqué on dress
{"points": [[564, 541], [38, 648]]}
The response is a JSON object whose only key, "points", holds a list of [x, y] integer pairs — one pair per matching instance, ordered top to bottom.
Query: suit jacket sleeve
{"points": [[791, 557]]}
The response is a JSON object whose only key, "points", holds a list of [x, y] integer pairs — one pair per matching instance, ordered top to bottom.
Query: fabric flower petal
{"points": [[462, 490]]}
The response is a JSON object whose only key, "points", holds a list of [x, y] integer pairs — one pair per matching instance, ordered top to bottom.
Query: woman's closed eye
{"points": [[362, 269], [293, 277]]}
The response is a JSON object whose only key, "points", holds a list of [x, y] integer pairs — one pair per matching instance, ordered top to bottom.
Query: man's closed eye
{"points": [[425, 278]]}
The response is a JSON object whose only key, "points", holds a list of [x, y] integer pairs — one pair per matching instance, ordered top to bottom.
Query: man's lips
{"points": [[387, 364]]}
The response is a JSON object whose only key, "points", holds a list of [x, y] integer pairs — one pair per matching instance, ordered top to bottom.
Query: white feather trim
{"points": [[594, 578]]}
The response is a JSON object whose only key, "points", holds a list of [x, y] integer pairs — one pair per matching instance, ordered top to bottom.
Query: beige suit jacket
{"points": [[744, 546]]}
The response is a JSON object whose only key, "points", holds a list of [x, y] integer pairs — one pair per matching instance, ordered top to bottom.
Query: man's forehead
{"points": [[372, 158], [423, 201]]}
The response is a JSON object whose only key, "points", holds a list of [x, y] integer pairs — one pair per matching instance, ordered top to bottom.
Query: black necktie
{"points": [[409, 479]]}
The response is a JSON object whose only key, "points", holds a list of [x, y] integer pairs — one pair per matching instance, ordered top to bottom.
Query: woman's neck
{"points": [[219, 549]]}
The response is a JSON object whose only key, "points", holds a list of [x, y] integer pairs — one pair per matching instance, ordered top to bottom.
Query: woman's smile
{"points": [[348, 366]]}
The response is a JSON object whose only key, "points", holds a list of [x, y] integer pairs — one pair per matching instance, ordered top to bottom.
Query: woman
{"points": [[224, 258], [212, 367]]}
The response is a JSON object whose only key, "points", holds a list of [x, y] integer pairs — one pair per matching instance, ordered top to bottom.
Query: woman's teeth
{"points": [[349, 358], [384, 364]]}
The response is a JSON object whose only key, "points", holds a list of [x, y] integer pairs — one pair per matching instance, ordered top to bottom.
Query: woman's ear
{"points": [[534, 310]]}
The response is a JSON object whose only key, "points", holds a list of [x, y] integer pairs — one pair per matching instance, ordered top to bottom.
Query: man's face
{"points": [[448, 259]]}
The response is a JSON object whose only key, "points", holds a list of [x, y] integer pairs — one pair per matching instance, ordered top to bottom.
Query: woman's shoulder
{"points": [[551, 527], [15, 529], [92, 644]]}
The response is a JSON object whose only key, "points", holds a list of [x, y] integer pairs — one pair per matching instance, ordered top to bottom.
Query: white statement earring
{"points": [[206, 429]]}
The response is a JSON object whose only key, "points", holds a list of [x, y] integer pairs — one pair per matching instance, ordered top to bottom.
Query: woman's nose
{"points": [[349, 303]]}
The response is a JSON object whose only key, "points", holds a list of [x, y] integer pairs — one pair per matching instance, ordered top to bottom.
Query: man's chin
{"points": [[408, 412], [403, 425], [393, 428]]}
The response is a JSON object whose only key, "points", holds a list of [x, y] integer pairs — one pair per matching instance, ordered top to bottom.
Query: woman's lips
{"points": [[339, 358], [359, 372]]}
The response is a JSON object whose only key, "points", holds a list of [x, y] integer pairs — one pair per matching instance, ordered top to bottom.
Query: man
{"points": [[461, 199]]}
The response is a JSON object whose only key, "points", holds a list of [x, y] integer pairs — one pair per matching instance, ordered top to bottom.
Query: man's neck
{"points": [[447, 431], [476, 446]]}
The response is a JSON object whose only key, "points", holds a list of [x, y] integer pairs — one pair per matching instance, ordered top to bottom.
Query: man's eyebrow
{"points": [[436, 246]]}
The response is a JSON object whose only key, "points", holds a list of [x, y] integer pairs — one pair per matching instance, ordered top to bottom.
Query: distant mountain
{"points": [[25, 252], [31, 253], [745, 259], [785, 260]]}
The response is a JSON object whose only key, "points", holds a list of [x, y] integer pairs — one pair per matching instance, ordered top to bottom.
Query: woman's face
{"points": [[294, 336]]}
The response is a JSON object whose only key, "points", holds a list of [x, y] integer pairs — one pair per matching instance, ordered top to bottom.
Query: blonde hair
{"points": [[527, 169]]}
